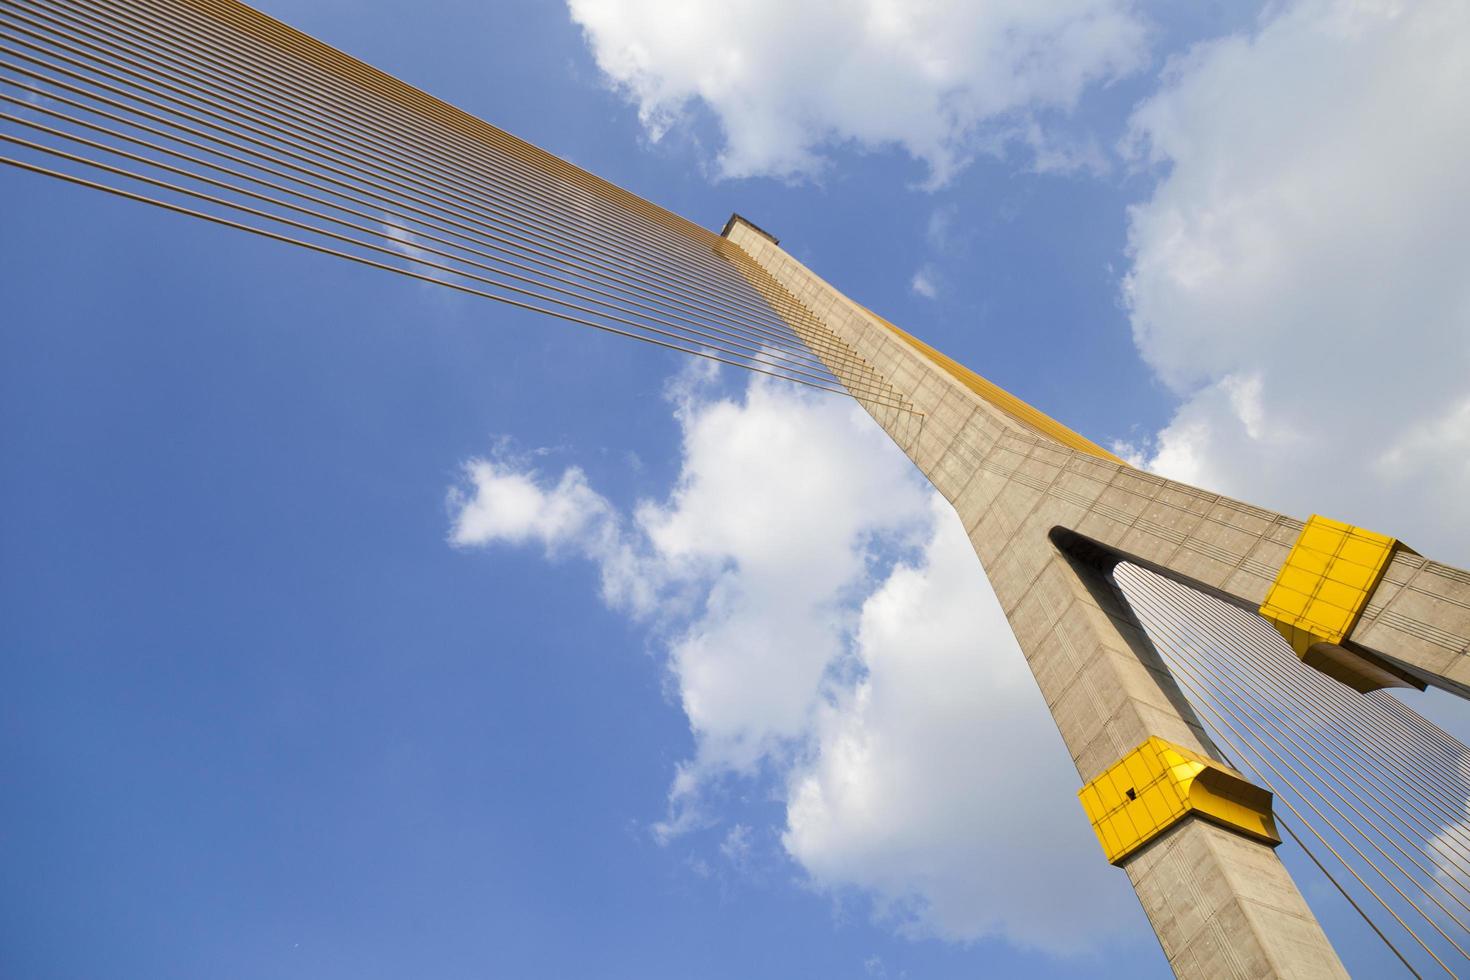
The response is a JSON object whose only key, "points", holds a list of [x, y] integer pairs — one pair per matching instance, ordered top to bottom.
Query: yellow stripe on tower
{"points": [[1002, 399]]}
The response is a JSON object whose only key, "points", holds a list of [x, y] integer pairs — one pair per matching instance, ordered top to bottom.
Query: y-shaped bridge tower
{"points": [[1050, 515]]}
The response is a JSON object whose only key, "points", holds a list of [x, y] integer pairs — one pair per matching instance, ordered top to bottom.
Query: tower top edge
{"points": [[736, 216]]}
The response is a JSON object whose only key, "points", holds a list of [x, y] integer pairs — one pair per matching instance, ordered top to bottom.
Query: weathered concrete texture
{"points": [[1419, 620], [1205, 887], [1221, 904]]}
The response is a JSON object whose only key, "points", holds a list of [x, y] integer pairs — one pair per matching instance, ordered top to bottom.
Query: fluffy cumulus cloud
{"points": [[937, 78], [1299, 273], [507, 504], [745, 570], [830, 637], [934, 778]]}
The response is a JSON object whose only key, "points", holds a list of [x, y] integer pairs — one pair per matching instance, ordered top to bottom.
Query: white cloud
{"points": [[940, 79], [939, 230], [405, 243], [1298, 274], [923, 283], [1435, 451], [503, 500], [778, 502], [510, 505], [745, 568], [877, 701], [939, 783], [737, 845]]}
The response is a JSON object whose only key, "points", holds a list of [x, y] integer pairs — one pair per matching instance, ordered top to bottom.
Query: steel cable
{"points": [[293, 97], [280, 120], [1235, 668], [1266, 725]]}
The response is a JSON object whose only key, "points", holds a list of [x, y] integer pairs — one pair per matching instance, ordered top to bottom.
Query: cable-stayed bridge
{"points": [[1218, 671]]}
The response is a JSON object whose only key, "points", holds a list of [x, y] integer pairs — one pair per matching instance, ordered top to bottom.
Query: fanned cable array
{"points": [[210, 109], [1375, 794]]}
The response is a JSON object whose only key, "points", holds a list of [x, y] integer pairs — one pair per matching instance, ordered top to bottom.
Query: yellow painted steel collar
{"points": [[1326, 583], [1159, 784]]}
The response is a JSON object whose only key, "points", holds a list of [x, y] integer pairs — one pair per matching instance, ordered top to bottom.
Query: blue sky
{"points": [[334, 648]]}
